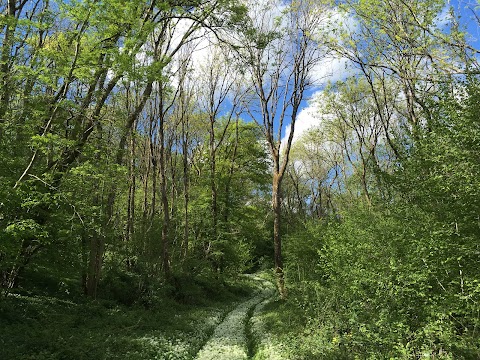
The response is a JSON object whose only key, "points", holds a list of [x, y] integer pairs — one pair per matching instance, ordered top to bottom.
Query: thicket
{"points": [[398, 278]]}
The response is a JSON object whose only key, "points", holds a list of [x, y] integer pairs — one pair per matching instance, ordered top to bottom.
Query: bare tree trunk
{"points": [[5, 58], [147, 160], [172, 161], [230, 172], [364, 182], [213, 185], [164, 192], [131, 196], [153, 207], [186, 229], [277, 241], [97, 247], [10, 277]]}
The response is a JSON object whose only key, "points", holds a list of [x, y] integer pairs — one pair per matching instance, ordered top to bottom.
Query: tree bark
{"points": [[231, 172], [213, 184], [164, 191], [131, 195], [186, 229], [277, 240], [97, 246]]}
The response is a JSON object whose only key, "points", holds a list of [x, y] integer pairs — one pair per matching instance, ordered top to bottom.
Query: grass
{"points": [[42, 327], [232, 338]]}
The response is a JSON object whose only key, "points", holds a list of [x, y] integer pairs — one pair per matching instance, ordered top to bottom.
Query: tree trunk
{"points": [[5, 58], [147, 160], [230, 174], [213, 185], [185, 189], [131, 191], [164, 194], [277, 240], [97, 246], [10, 277]]}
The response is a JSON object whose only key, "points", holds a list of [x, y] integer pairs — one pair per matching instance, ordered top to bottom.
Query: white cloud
{"points": [[332, 69], [306, 120]]}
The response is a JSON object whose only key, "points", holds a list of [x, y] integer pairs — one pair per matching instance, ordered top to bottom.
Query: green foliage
{"points": [[241, 179], [380, 205], [25, 229], [399, 280], [45, 327]]}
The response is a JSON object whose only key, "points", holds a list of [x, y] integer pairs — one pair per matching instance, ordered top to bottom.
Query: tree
{"points": [[393, 41], [280, 53], [66, 74], [220, 98], [354, 117]]}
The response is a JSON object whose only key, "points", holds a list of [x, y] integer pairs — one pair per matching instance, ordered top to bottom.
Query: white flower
{"points": [[229, 341], [266, 346]]}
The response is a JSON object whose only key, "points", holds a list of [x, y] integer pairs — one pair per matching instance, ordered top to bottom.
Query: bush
{"points": [[122, 286]]}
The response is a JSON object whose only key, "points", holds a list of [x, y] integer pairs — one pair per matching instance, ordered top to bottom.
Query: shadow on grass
{"points": [[48, 328]]}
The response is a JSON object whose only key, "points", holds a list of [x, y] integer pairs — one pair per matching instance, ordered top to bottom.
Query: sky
{"points": [[333, 69], [337, 69], [330, 70]]}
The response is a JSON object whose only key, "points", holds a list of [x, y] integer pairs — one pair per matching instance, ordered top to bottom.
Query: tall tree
{"points": [[280, 53], [65, 64], [219, 96]]}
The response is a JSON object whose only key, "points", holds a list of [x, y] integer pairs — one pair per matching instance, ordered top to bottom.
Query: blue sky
{"points": [[468, 12]]}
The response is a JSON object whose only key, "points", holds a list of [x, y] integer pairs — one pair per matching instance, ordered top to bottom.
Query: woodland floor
{"points": [[230, 328], [240, 335]]}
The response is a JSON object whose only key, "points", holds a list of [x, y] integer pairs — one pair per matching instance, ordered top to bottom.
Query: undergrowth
{"points": [[38, 327]]}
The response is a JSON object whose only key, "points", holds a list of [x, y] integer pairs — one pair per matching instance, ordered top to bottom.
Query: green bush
{"points": [[125, 287]]}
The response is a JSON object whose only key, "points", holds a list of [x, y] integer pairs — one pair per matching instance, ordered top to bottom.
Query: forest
{"points": [[220, 179]]}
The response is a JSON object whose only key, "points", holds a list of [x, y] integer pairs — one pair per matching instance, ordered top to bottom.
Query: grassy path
{"points": [[40, 327], [235, 337]]}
